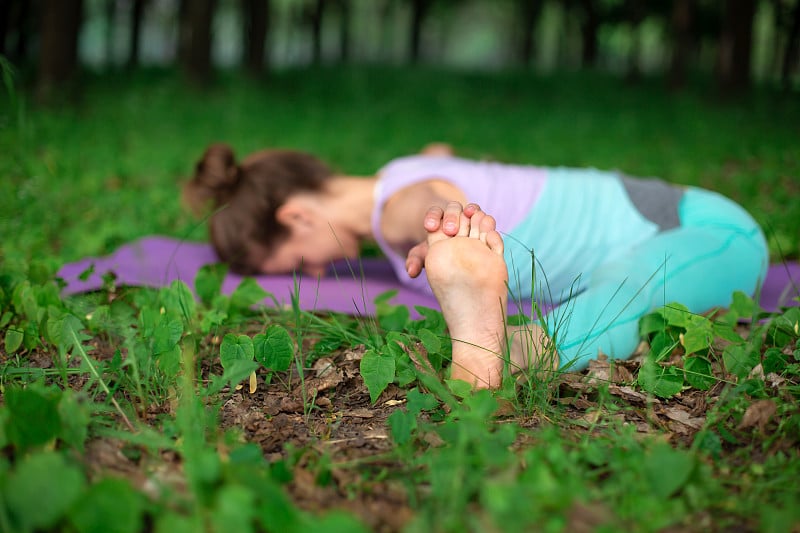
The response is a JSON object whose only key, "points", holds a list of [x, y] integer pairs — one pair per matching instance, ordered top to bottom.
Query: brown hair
{"points": [[246, 196]]}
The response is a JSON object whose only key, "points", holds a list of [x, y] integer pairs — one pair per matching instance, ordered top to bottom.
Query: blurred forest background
{"points": [[737, 43], [109, 103]]}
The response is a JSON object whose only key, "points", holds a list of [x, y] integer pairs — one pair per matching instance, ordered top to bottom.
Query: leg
{"points": [[717, 250], [469, 278]]}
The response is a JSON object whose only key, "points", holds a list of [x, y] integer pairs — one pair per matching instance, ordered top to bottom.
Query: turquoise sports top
{"points": [[558, 224]]}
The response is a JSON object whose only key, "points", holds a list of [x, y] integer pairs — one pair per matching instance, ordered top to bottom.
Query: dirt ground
{"points": [[329, 415]]}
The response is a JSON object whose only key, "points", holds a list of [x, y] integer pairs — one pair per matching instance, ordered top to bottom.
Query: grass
{"points": [[700, 434]]}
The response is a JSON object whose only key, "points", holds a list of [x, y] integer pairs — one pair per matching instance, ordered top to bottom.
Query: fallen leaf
{"points": [[324, 366], [599, 371], [757, 372], [775, 380], [628, 393], [392, 403], [359, 413], [758, 414], [684, 417]]}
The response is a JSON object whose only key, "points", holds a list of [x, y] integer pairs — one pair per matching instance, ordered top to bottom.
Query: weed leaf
{"points": [[208, 282], [247, 294], [676, 314], [391, 317], [652, 323], [60, 326], [166, 335], [698, 337], [13, 340], [431, 341], [662, 345], [235, 348], [274, 349], [739, 360], [774, 361], [377, 370], [698, 372], [235, 373], [658, 380], [459, 387], [418, 401], [75, 417], [33, 418], [402, 423], [667, 469], [41, 489], [109, 505], [234, 509]]}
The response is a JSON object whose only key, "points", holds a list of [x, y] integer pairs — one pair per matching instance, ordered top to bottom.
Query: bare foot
{"points": [[469, 277]]}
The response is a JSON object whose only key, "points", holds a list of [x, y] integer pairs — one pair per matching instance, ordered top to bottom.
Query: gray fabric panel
{"points": [[655, 199]]}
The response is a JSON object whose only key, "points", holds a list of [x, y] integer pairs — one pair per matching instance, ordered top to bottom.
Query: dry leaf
{"points": [[324, 366], [757, 372], [253, 382], [626, 392], [392, 403], [359, 413], [758, 414], [684, 417]]}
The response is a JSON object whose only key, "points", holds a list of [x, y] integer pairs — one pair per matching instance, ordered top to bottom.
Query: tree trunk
{"points": [[419, 11], [529, 11], [635, 12], [137, 14], [111, 15], [316, 15], [256, 16], [5, 22], [681, 22], [18, 24], [589, 27], [344, 30], [196, 38], [735, 45], [792, 54], [58, 57]]}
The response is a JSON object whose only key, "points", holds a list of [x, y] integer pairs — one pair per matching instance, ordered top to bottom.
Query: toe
{"points": [[452, 219], [495, 242]]}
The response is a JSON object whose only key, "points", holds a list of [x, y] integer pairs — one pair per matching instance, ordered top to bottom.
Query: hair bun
{"points": [[218, 169], [215, 179]]}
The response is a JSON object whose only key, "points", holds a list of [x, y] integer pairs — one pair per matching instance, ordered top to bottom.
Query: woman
{"points": [[607, 248]]}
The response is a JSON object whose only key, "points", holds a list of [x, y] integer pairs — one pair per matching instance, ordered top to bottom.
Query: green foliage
{"points": [[673, 327], [274, 349], [118, 362], [377, 370], [40, 489], [110, 505]]}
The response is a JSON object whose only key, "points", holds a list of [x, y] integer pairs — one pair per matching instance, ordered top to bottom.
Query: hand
{"points": [[453, 220]]}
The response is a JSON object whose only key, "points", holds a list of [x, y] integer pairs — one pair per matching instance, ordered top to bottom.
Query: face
{"points": [[310, 248]]}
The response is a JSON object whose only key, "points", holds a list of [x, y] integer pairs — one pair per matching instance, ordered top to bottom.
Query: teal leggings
{"points": [[718, 249]]}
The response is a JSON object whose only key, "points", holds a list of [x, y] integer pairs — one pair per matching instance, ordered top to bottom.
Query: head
{"points": [[250, 219]]}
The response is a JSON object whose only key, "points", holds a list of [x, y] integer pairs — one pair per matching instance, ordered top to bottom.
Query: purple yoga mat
{"points": [[158, 261]]}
